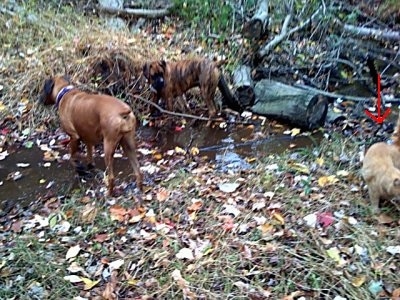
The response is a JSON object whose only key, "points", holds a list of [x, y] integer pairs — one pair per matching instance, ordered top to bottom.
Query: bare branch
{"points": [[277, 39]]}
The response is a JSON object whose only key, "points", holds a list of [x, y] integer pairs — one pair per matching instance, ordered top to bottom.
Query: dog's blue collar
{"points": [[61, 94]]}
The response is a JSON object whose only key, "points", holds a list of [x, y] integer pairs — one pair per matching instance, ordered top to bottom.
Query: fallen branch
{"points": [[129, 12], [377, 34], [345, 97], [164, 111]]}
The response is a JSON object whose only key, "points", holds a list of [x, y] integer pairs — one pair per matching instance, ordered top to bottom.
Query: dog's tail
{"points": [[230, 100], [127, 122], [396, 134]]}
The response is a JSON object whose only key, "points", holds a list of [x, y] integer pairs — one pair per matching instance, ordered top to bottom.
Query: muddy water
{"points": [[227, 148]]}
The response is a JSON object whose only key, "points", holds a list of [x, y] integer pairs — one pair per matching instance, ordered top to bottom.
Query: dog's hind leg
{"points": [[128, 144], [109, 148], [89, 156]]}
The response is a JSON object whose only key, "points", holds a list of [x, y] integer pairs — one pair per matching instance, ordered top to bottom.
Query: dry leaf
{"points": [[326, 180], [162, 195], [279, 218], [72, 252], [185, 253], [359, 280], [89, 284]]}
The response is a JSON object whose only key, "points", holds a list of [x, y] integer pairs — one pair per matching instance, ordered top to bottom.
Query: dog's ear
{"points": [[146, 70], [67, 78], [48, 86]]}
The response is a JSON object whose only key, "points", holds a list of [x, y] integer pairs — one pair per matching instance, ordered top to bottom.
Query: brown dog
{"points": [[173, 79], [92, 119]]}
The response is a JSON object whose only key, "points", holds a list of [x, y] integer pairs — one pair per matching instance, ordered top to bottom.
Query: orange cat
{"points": [[381, 170]]}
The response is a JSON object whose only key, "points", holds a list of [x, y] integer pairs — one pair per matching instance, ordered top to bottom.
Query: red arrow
{"points": [[379, 118]]}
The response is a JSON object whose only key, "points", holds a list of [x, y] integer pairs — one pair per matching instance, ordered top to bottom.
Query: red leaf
{"points": [[325, 219]]}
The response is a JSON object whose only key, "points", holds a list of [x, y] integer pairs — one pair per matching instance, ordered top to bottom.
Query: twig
{"points": [[347, 97]]}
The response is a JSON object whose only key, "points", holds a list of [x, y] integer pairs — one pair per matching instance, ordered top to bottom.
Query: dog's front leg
{"points": [[109, 149], [76, 163]]}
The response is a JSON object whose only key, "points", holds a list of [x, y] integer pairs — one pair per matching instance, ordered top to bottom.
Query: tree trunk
{"points": [[256, 27], [243, 85], [299, 107]]}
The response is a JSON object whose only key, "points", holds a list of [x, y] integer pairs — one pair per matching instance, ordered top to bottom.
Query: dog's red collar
{"points": [[61, 94]]}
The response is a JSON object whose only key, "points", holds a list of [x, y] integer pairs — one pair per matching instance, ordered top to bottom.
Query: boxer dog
{"points": [[172, 79], [93, 118]]}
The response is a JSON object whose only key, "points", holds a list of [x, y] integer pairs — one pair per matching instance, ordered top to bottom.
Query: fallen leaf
{"points": [[295, 131], [194, 151], [299, 167], [326, 180], [228, 187], [162, 195], [195, 206], [118, 213], [279, 218], [325, 219], [311, 220], [101, 237], [393, 249], [72, 252], [185, 253], [116, 264], [73, 278], [359, 280], [89, 284]]}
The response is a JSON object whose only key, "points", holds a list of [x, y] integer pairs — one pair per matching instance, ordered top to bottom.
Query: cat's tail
{"points": [[396, 134]]}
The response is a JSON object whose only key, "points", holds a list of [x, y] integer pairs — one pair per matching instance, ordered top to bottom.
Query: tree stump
{"points": [[243, 85], [299, 107]]}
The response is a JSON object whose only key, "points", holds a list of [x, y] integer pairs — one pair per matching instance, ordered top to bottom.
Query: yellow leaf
{"points": [[2, 106], [295, 131], [179, 150], [194, 151], [157, 156], [251, 159], [320, 161], [300, 168], [325, 180], [279, 217], [266, 228], [334, 254], [132, 281], [358, 281], [89, 284]]}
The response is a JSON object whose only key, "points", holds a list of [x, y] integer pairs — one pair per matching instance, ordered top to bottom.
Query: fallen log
{"points": [[130, 12], [255, 28], [243, 85], [298, 107]]}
